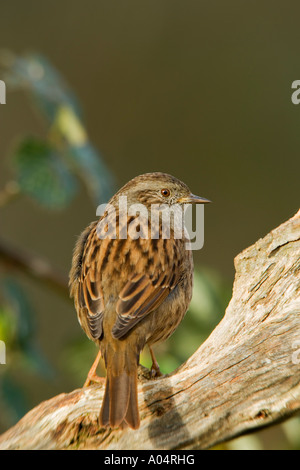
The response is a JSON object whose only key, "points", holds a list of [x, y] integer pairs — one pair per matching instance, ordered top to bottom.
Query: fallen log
{"points": [[245, 376]]}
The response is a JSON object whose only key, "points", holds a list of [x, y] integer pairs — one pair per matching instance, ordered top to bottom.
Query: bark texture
{"points": [[246, 375]]}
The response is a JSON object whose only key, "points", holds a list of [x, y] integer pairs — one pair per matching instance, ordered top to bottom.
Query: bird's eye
{"points": [[165, 192]]}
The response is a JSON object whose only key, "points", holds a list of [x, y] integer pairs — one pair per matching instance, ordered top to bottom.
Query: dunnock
{"points": [[133, 291]]}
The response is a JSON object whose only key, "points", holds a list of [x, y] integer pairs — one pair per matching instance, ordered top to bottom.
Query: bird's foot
{"points": [[155, 371], [92, 376]]}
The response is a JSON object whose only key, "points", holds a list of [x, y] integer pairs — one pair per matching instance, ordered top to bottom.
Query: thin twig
{"points": [[9, 193], [15, 259]]}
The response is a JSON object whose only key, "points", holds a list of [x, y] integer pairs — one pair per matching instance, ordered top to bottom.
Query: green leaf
{"points": [[48, 89], [53, 97], [84, 159], [90, 167], [43, 175], [210, 296], [23, 315], [21, 321], [7, 324], [77, 357], [35, 360], [13, 397]]}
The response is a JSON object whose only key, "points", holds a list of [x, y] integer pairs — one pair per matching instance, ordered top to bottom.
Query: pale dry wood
{"points": [[245, 376]]}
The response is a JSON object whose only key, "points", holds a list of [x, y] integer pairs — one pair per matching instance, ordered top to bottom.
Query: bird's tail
{"points": [[119, 406]]}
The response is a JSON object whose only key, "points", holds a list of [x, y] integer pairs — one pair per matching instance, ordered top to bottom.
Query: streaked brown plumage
{"points": [[129, 293]]}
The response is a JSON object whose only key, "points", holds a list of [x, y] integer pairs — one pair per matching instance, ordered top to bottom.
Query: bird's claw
{"points": [[93, 378]]}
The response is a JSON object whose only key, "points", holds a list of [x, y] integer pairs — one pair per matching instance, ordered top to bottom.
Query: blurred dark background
{"points": [[198, 89]]}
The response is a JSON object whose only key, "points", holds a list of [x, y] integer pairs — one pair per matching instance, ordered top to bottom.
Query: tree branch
{"points": [[9, 193], [34, 266], [245, 376]]}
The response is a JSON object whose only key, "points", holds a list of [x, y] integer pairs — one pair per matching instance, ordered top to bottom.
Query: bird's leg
{"points": [[155, 370], [92, 376]]}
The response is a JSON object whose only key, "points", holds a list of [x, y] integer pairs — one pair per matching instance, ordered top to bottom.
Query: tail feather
{"points": [[119, 398], [119, 406], [104, 413], [132, 417]]}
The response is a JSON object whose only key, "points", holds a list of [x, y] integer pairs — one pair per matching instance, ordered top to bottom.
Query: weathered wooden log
{"points": [[246, 375]]}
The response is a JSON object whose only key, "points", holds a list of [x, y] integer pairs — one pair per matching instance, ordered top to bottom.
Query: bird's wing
{"points": [[98, 248], [92, 255], [146, 269], [154, 277], [90, 293]]}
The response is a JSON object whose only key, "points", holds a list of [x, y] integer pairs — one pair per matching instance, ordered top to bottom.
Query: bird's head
{"points": [[158, 188]]}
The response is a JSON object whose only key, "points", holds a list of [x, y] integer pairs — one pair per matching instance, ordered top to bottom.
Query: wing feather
{"points": [[147, 271], [141, 295]]}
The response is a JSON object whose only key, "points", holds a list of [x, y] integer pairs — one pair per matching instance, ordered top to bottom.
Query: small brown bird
{"points": [[132, 291]]}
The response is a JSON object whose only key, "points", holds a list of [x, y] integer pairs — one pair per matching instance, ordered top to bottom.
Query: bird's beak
{"points": [[192, 199]]}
